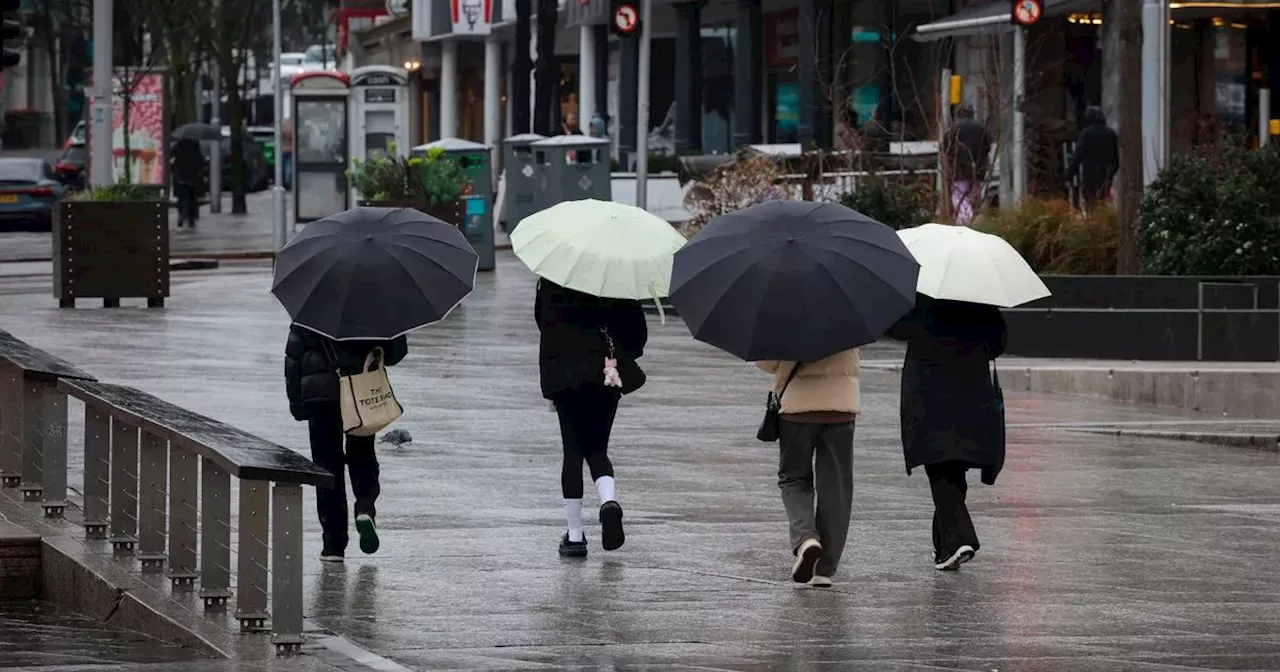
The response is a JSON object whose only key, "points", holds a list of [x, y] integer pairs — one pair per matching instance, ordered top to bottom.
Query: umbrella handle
{"points": [[657, 301]]}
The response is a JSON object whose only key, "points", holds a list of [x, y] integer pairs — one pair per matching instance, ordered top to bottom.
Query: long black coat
{"points": [[1097, 156], [188, 162], [574, 345], [310, 377], [950, 411]]}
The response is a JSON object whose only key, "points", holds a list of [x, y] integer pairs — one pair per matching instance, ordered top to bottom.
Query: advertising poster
{"points": [[471, 17], [145, 158]]}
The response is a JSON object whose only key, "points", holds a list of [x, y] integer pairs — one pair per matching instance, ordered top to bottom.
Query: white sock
{"points": [[605, 487], [573, 514]]}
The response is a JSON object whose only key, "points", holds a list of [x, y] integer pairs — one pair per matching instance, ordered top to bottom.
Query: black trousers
{"points": [[188, 205], [586, 420], [359, 458], [952, 527]]}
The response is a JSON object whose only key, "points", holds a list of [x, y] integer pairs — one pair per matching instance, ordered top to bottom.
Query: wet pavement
{"points": [[1099, 552], [34, 636]]}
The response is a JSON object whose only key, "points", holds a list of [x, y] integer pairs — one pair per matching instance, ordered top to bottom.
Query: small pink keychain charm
{"points": [[611, 377]]}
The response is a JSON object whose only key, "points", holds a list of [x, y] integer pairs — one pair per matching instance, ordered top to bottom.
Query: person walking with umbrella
{"points": [[188, 168], [596, 262], [354, 284], [797, 287], [952, 407]]}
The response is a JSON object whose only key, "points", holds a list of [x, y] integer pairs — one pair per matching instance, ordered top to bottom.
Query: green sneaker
{"points": [[368, 533]]}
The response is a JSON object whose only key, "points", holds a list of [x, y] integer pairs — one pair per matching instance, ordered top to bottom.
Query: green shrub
{"points": [[433, 178], [121, 191], [901, 203], [1214, 211], [1055, 238]]}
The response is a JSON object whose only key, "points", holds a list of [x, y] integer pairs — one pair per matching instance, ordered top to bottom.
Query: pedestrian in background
{"points": [[966, 147], [286, 153], [1096, 159], [188, 180], [587, 361], [312, 365], [819, 404], [952, 411]]}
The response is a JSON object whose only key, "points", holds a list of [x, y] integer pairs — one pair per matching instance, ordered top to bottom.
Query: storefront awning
{"points": [[992, 19]]}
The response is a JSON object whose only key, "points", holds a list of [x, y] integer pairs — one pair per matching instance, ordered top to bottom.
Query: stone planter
{"points": [[446, 212], [111, 251]]}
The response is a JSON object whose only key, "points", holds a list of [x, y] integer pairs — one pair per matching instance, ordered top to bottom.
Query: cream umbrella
{"points": [[599, 248], [958, 263]]}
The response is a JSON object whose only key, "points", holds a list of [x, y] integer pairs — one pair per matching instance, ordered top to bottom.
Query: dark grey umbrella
{"points": [[196, 131], [374, 273], [793, 281]]}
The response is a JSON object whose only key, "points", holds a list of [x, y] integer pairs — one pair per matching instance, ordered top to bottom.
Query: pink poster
{"points": [[146, 153]]}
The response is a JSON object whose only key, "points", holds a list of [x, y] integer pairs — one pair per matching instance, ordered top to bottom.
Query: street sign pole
{"points": [[642, 111], [100, 170], [277, 189]]}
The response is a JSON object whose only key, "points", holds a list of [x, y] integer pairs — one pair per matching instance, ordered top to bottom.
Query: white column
{"points": [[586, 76], [1155, 88], [448, 89], [492, 91], [1019, 117], [1264, 117]]}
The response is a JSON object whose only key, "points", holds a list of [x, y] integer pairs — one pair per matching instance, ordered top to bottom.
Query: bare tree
{"points": [[59, 28], [181, 28], [230, 44], [1122, 44], [136, 56]]}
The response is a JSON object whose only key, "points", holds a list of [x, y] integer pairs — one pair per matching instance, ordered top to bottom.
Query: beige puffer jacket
{"points": [[829, 384]]}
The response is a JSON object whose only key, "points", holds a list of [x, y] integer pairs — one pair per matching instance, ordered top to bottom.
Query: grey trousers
{"points": [[820, 454]]}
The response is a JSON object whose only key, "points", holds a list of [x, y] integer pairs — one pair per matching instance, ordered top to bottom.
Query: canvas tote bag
{"points": [[367, 400]]}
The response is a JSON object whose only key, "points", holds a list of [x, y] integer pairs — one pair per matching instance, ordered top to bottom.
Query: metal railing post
{"points": [[10, 428], [32, 441], [55, 452], [97, 472], [183, 484], [124, 487], [152, 508], [215, 538], [286, 568], [251, 570]]}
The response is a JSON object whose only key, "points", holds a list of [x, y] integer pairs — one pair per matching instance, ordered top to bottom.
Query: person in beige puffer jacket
{"points": [[820, 403]]}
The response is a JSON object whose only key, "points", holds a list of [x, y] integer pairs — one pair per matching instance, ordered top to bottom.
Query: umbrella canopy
{"points": [[197, 131], [601, 248], [958, 263], [374, 273], [792, 281]]}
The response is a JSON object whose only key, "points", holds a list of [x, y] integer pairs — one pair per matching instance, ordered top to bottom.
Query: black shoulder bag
{"points": [[771, 427]]}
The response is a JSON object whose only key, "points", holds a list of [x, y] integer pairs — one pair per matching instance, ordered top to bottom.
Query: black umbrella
{"points": [[196, 131], [374, 273], [793, 281]]}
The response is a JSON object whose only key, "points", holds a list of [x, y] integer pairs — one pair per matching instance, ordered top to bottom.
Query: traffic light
{"points": [[10, 29]]}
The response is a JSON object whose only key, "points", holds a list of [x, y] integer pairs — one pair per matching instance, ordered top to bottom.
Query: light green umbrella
{"points": [[599, 248]]}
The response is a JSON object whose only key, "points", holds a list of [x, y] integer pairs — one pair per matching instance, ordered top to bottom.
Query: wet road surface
{"points": [[1099, 552]]}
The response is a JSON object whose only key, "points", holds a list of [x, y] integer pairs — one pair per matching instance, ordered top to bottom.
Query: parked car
{"points": [[79, 135], [73, 166], [258, 172], [28, 189]]}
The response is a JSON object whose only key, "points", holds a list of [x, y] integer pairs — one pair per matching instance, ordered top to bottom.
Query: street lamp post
{"points": [[642, 111], [100, 170], [277, 189]]}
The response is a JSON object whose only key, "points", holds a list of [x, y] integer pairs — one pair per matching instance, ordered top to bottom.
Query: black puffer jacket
{"points": [[573, 347], [309, 375]]}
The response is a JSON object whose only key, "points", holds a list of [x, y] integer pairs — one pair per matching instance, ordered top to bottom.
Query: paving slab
{"points": [[1099, 552]]}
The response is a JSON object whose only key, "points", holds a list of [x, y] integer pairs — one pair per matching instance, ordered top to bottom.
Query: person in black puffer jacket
{"points": [[587, 361], [311, 366]]}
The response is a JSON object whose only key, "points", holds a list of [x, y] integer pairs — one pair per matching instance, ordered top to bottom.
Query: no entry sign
{"points": [[1027, 12], [626, 18]]}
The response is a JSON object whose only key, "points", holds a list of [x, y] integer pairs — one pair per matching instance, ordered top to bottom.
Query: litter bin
{"points": [[474, 160], [571, 168], [522, 179]]}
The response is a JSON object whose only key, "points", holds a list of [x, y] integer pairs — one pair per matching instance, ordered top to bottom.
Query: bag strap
{"points": [[608, 342], [327, 346], [375, 355], [791, 377]]}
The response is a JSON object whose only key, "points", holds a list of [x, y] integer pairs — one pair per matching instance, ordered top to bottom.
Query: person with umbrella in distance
{"points": [[188, 168], [596, 261], [354, 284], [797, 287], [952, 407]]}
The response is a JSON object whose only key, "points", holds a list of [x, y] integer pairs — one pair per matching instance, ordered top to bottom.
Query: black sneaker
{"points": [[368, 534], [611, 535], [573, 549], [952, 562]]}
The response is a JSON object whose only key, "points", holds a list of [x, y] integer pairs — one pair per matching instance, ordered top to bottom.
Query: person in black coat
{"points": [[1096, 159], [188, 177], [587, 360], [312, 363], [952, 411]]}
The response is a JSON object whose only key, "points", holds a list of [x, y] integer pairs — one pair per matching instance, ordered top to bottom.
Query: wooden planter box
{"points": [[445, 212], [111, 251]]}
